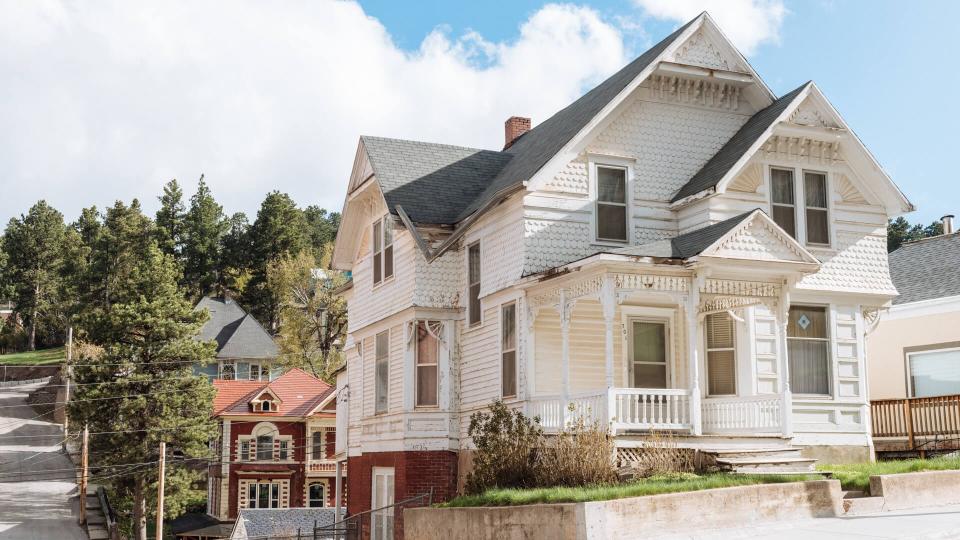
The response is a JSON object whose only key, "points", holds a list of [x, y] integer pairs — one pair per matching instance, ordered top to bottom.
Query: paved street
{"points": [[35, 494], [942, 522]]}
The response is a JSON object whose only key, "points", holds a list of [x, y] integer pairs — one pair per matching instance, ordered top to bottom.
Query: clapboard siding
{"points": [[480, 361]]}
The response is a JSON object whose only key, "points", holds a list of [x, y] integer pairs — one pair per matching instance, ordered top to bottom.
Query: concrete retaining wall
{"points": [[22, 373], [915, 490], [636, 517]]}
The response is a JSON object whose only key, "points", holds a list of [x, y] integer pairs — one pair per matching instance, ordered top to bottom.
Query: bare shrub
{"points": [[86, 350], [507, 446], [580, 455], [659, 455]]}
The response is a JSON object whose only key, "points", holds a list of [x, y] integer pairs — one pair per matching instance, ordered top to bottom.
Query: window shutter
{"points": [[721, 354]]}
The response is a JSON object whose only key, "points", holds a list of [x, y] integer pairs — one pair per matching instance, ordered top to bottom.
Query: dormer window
{"points": [[382, 250], [265, 402], [265, 406]]}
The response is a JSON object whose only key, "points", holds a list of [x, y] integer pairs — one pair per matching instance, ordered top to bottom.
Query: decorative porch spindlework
{"points": [[699, 296]]}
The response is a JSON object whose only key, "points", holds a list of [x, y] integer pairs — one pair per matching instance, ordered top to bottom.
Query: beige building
{"points": [[915, 348]]}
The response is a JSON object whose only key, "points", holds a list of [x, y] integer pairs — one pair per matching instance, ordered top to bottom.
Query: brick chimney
{"points": [[513, 128]]}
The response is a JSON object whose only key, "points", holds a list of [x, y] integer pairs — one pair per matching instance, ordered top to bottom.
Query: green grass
{"points": [[35, 358], [856, 476], [648, 486]]}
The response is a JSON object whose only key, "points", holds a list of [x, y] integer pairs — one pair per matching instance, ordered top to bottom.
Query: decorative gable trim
{"points": [[701, 49], [749, 181], [847, 191], [759, 238], [266, 395]]}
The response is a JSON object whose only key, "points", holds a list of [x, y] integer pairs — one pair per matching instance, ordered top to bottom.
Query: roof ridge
{"points": [[417, 141]]}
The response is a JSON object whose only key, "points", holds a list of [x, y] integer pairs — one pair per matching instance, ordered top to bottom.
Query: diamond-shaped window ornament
{"points": [[804, 321]]}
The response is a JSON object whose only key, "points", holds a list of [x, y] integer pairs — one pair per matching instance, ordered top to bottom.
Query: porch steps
{"points": [[773, 460], [857, 503]]}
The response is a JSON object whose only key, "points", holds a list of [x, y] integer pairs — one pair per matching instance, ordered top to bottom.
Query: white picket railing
{"points": [[650, 408], [553, 414], [752, 414]]}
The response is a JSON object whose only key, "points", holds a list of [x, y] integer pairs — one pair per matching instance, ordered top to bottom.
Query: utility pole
{"points": [[66, 384], [84, 454], [163, 454]]}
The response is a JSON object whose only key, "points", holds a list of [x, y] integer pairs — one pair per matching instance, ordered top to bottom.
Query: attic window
{"points": [[611, 204], [382, 250], [265, 406]]}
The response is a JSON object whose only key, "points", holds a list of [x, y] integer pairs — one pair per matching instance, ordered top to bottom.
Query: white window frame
{"points": [[610, 162], [800, 201], [384, 222], [647, 314], [479, 322], [516, 349], [707, 350], [376, 359], [831, 360], [417, 365], [911, 391], [256, 484], [323, 499], [387, 515]]}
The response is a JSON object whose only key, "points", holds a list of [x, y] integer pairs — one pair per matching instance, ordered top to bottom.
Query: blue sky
{"points": [[888, 67], [109, 100]]}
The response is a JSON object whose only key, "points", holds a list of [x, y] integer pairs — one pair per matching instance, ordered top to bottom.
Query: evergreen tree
{"points": [[170, 220], [204, 225], [322, 227], [280, 229], [900, 230], [83, 236], [119, 244], [34, 246], [235, 255], [314, 319], [144, 347]]}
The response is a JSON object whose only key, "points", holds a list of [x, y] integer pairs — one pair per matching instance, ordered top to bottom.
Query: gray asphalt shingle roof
{"points": [[728, 155], [442, 184], [688, 244], [926, 269], [237, 333], [281, 522]]}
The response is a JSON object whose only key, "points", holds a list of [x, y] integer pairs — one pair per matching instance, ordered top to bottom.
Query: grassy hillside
{"points": [[35, 358]]}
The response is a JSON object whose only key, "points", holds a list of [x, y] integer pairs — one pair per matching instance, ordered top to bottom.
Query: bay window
{"points": [[611, 209], [808, 349], [508, 350], [427, 354], [721, 355]]}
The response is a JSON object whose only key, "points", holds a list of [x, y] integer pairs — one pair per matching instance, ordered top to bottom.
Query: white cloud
{"points": [[748, 23], [108, 100]]}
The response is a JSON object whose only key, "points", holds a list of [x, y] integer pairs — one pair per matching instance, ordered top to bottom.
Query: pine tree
{"points": [[170, 220], [204, 225], [322, 227], [280, 229], [119, 244], [34, 246], [233, 271], [146, 344]]}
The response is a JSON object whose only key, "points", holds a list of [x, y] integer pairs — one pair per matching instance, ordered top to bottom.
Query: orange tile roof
{"points": [[299, 393]]}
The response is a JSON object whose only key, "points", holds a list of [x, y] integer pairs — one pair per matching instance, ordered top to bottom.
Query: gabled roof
{"points": [[738, 145], [926, 269], [237, 333], [298, 391], [281, 522]]}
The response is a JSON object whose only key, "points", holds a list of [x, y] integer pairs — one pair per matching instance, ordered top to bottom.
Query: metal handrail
{"points": [[353, 520]]}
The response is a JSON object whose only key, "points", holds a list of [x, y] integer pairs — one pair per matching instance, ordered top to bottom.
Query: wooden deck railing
{"points": [[916, 417]]}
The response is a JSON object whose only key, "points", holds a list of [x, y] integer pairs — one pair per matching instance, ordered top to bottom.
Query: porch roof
{"points": [[688, 244]]}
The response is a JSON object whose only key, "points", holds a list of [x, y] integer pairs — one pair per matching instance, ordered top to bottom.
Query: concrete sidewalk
{"points": [[36, 490], [939, 522]]}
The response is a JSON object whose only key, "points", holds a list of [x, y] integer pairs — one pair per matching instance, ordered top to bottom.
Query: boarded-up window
{"points": [[815, 195], [783, 198], [612, 204], [473, 278], [808, 349], [508, 350], [427, 353], [721, 355], [382, 368]]}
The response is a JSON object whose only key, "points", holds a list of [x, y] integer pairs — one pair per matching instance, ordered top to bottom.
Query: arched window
{"points": [[265, 406], [316, 495]]}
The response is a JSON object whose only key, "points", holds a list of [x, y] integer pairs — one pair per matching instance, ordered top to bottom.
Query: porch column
{"points": [[609, 303], [565, 308], [693, 347], [786, 397], [338, 490]]}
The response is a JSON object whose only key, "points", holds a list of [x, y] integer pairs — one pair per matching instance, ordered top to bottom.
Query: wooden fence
{"points": [[916, 418]]}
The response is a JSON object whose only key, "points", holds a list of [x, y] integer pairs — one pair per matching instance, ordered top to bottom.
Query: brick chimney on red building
{"points": [[513, 128]]}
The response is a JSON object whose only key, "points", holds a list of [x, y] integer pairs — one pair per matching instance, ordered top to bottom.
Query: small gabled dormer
{"points": [[266, 401]]}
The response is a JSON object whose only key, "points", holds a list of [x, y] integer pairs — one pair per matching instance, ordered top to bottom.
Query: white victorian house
{"points": [[679, 249]]}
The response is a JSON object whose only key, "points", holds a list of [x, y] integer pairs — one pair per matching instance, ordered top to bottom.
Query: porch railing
{"points": [[649, 408], [553, 414], [753, 414]]}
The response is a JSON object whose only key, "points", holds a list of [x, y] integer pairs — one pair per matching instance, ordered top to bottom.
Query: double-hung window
{"points": [[815, 195], [782, 197], [611, 214], [382, 250], [473, 278], [808, 349], [508, 350], [427, 354], [721, 355], [382, 372], [934, 372], [316, 446], [264, 448], [284, 450]]}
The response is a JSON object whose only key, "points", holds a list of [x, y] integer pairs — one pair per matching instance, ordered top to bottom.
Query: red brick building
{"points": [[276, 444]]}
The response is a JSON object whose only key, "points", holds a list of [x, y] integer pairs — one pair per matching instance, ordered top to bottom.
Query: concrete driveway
{"points": [[36, 495], [926, 523]]}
